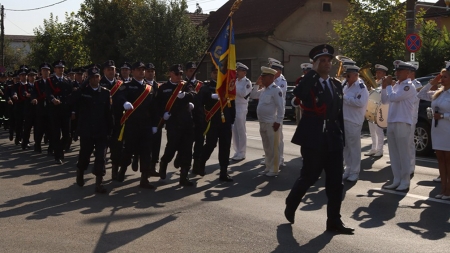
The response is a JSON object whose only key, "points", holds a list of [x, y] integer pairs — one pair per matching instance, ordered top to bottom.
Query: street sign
{"points": [[413, 42], [413, 57]]}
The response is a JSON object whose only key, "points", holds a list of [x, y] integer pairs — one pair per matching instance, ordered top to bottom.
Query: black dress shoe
{"points": [[11, 137], [17, 142], [37, 149], [58, 161], [135, 164], [198, 168], [115, 172], [153, 173], [121, 175], [80, 177], [225, 178], [186, 182], [146, 185], [100, 189], [289, 214], [339, 227]]}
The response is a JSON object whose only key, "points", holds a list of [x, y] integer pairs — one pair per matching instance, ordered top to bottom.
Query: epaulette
{"points": [[103, 88]]}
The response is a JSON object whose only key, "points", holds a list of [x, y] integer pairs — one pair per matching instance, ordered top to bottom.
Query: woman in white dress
{"points": [[440, 128]]}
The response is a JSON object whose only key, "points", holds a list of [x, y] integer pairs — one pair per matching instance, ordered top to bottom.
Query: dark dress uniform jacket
{"points": [[60, 90], [207, 103], [93, 109], [322, 123]]}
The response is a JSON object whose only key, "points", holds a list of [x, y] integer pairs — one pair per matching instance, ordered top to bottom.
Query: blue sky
{"points": [[23, 22]]}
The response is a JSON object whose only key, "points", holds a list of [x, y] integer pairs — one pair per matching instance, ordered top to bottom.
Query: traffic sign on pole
{"points": [[413, 42], [413, 57]]}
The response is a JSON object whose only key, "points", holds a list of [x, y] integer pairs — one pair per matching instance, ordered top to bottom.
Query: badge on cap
{"points": [[325, 50], [94, 71], [406, 88]]}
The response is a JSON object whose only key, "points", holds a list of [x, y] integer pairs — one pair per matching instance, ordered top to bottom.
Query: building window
{"points": [[326, 7]]}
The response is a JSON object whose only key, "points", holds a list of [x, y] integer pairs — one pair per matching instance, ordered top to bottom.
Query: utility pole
{"points": [[410, 25], [2, 37]]}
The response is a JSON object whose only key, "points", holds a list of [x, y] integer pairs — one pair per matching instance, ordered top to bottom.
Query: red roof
{"points": [[253, 16]]}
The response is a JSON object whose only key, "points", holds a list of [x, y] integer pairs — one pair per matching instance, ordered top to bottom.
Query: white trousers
{"points": [[240, 132], [377, 135], [271, 141], [398, 143], [412, 148], [352, 149]]}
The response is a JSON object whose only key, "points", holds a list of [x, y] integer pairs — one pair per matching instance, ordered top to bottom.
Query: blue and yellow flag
{"points": [[223, 56]]}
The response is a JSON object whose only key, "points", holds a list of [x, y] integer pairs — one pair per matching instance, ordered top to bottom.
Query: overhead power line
{"points": [[38, 8]]}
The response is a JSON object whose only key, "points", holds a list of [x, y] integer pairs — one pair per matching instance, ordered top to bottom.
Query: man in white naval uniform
{"points": [[281, 82], [243, 89], [355, 98], [401, 99], [270, 112], [376, 132], [412, 145]]}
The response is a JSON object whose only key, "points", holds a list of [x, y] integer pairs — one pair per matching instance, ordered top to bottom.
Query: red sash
{"points": [[199, 85], [116, 87], [55, 91], [41, 95], [171, 101], [136, 103], [209, 114]]}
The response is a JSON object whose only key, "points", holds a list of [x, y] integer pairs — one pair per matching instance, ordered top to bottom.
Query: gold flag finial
{"points": [[235, 6]]}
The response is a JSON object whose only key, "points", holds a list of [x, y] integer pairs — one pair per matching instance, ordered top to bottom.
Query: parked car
{"points": [[289, 111], [422, 133]]}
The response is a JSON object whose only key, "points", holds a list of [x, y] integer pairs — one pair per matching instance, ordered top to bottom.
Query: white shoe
{"points": [[370, 153], [378, 154], [237, 158], [263, 162], [263, 172], [274, 174], [353, 178], [438, 179], [391, 186], [402, 188]]}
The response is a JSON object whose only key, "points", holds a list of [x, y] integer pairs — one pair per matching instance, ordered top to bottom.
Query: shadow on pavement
{"points": [[287, 242]]}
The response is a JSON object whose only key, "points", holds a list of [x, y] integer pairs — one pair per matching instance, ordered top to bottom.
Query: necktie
{"points": [[327, 91]]}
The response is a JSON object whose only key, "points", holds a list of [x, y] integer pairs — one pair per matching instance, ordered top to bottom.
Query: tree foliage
{"points": [[373, 32], [55, 41], [14, 56]]}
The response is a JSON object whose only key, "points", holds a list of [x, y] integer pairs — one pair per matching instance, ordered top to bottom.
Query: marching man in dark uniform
{"points": [[125, 71], [109, 75], [57, 93], [21, 98], [38, 98], [3, 104], [175, 104], [93, 109], [30, 111], [138, 123], [218, 129], [320, 135]]}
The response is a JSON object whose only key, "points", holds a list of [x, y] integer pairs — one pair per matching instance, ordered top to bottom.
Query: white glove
{"points": [[181, 94], [215, 96], [292, 102], [128, 106], [191, 106], [166, 116], [154, 130]]}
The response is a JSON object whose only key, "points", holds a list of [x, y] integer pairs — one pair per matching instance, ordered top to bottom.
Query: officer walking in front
{"points": [[243, 90], [38, 98], [355, 98], [22, 102], [175, 104], [93, 109], [30, 111], [218, 128], [320, 135]]}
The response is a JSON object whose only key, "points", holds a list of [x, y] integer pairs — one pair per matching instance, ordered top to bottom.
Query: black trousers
{"points": [[3, 117], [19, 120], [11, 121], [29, 122], [42, 125], [60, 125], [221, 132], [181, 140], [137, 141], [199, 141], [87, 146], [116, 146], [314, 162]]}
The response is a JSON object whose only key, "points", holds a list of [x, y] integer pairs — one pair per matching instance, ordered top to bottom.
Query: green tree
{"points": [[373, 32], [55, 41], [14, 56]]}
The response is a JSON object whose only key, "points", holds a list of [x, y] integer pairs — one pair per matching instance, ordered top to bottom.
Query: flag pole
{"points": [[233, 9]]}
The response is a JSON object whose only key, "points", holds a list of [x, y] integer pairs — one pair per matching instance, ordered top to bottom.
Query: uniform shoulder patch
{"points": [[361, 85], [247, 86], [282, 86], [103, 88], [406, 88], [280, 94], [359, 96]]}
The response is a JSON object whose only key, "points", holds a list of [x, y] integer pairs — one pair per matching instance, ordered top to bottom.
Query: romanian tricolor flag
{"points": [[223, 56]]}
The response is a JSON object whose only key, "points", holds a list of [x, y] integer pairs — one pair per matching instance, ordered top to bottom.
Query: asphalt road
{"points": [[43, 210]]}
